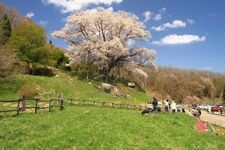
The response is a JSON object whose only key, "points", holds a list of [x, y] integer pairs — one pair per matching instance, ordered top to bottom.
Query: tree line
{"points": [[185, 85]]}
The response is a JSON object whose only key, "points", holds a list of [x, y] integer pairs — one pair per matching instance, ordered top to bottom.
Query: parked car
{"points": [[203, 107], [217, 108]]}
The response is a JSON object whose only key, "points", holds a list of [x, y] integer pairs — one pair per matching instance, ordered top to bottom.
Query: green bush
{"points": [[41, 70]]}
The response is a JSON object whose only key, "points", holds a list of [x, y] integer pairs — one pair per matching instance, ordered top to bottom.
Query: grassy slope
{"points": [[69, 86], [103, 128]]}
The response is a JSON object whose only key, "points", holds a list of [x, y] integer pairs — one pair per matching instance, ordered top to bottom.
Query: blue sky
{"points": [[185, 33]]}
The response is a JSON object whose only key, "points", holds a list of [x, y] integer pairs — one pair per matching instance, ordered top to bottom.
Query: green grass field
{"points": [[89, 127]]}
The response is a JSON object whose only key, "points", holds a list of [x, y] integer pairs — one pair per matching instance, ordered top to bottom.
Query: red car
{"points": [[218, 108]]}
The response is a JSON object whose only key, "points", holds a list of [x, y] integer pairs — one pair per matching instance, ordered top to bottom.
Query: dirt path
{"points": [[213, 118]]}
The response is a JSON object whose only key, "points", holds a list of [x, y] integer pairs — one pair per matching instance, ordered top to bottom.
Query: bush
{"points": [[41, 71], [28, 92]]}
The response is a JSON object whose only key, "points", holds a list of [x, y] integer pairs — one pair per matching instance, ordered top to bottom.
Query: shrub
{"points": [[41, 71]]}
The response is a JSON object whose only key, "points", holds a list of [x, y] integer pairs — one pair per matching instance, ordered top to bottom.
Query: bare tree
{"points": [[9, 63]]}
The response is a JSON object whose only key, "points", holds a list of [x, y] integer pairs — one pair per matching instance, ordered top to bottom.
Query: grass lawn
{"points": [[89, 127]]}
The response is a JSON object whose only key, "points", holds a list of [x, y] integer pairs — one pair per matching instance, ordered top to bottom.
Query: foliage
{"points": [[5, 29], [26, 38], [101, 38], [29, 41], [48, 55], [41, 70], [84, 70], [28, 92], [103, 128]]}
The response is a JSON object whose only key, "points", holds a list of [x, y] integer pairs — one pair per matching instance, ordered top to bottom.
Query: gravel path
{"points": [[213, 118]]}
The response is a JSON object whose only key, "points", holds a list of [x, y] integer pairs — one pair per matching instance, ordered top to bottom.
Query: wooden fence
{"points": [[72, 101], [60, 102], [22, 104]]}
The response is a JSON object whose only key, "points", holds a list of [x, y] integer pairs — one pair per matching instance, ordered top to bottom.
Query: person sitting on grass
{"points": [[148, 109]]}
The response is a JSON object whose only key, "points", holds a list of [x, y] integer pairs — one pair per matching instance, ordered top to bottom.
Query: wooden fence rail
{"points": [[72, 101], [59, 102], [22, 104]]}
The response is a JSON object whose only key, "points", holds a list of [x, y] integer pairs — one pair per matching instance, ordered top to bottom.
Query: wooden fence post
{"points": [[23, 103], [61, 104], [36, 105], [49, 105], [112, 105], [18, 107]]}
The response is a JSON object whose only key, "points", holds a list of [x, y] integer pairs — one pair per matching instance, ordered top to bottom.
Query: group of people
{"points": [[154, 106], [196, 112]]}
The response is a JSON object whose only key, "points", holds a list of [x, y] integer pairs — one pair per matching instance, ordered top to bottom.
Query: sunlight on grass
{"points": [[103, 128]]}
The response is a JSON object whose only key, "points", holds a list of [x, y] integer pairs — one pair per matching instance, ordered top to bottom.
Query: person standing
{"points": [[155, 104], [166, 105], [173, 107]]}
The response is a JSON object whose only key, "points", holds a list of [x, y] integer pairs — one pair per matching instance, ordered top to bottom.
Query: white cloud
{"points": [[66, 6], [30, 15], [147, 15], [155, 16], [158, 17], [190, 21], [42, 23], [174, 24], [175, 39]]}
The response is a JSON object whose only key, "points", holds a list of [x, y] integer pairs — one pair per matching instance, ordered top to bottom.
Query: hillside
{"points": [[69, 86], [104, 128]]}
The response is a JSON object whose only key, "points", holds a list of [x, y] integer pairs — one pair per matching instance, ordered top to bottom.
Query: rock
{"points": [[131, 84], [110, 89]]}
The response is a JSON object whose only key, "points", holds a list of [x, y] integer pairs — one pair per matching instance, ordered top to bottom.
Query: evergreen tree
{"points": [[5, 29]]}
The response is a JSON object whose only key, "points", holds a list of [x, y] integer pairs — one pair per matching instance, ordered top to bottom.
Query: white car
{"points": [[204, 107]]}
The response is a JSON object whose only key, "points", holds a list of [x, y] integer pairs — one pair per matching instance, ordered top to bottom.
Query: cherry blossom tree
{"points": [[102, 37]]}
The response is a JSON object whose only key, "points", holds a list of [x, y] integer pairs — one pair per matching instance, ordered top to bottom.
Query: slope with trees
{"points": [[24, 45], [183, 84]]}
